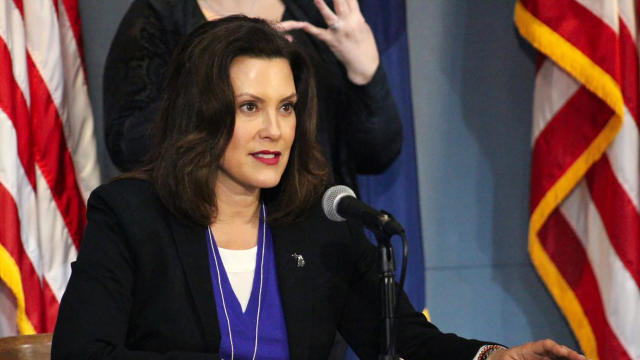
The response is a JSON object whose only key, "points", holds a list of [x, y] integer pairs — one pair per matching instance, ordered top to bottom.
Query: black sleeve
{"points": [[134, 76], [374, 125], [95, 309], [361, 324]]}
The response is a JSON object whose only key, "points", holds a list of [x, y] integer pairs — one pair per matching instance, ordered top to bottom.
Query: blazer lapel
{"points": [[192, 250], [294, 282]]}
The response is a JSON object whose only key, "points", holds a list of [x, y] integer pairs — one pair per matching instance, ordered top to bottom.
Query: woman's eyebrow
{"points": [[250, 95], [291, 97]]}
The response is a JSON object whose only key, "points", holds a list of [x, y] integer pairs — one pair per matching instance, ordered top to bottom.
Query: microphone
{"points": [[340, 203]]}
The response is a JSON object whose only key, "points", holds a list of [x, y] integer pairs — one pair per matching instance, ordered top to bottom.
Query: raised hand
{"points": [[348, 36]]}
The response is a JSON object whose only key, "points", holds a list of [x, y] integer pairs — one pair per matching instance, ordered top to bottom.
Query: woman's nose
{"points": [[270, 125]]}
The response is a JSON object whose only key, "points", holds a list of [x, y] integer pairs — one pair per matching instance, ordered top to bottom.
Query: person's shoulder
{"points": [[159, 4], [309, 10], [163, 11], [175, 17], [126, 184], [127, 189], [132, 200]]}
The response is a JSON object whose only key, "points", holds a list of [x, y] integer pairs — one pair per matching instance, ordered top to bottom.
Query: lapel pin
{"points": [[299, 260]]}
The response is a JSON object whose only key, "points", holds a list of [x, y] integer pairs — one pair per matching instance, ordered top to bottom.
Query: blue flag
{"points": [[396, 191]]}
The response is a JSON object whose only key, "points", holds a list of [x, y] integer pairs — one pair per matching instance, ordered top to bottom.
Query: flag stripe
{"points": [[19, 5], [604, 10], [627, 11], [73, 14], [587, 32], [12, 34], [43, 46], [570, 58], [629, 67], [553, 88], [13, 103], [78, 134], [565, 138], [53, 158], [625, 161], [16, 182], [619, 216], [560, 242], [58, 247], [21, 268], [27, 276], [614, 281], [563, 294], [52, 304]]}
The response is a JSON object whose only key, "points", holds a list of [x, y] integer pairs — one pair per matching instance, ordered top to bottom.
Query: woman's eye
{"points": [[250, 107], [288, 107]]}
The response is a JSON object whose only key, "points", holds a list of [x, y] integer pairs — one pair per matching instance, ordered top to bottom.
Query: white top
{"points": [[240, 266]]}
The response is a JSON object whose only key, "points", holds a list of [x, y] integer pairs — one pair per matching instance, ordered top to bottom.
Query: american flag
{"points": [[48, 162], [584, 235]]}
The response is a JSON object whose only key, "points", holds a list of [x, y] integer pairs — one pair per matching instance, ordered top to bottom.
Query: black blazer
{"points": [[141, 288]]}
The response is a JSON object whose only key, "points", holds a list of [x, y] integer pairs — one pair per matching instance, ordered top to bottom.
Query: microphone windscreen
{"points": [[332, 197]]}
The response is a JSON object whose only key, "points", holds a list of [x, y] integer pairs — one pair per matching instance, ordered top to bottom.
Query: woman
{"points": [[359, 128], [235, 173]]}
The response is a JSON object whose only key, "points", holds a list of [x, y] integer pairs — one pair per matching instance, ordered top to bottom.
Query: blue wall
{"points": [[472, 81]]}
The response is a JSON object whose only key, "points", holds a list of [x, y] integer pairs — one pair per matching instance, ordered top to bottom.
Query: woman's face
{"points": [[265, 126]]}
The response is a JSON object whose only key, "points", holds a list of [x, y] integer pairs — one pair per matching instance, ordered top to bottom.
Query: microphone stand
{"points": [[388, 289]]}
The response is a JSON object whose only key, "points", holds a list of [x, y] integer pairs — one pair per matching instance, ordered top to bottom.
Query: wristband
{"points": [[486, 350]]}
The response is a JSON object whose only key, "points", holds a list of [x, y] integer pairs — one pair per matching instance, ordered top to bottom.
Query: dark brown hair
{"points": [[197, 118]]}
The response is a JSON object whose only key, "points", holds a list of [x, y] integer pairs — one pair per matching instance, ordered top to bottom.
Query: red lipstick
{"points": [[267, 157]]}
